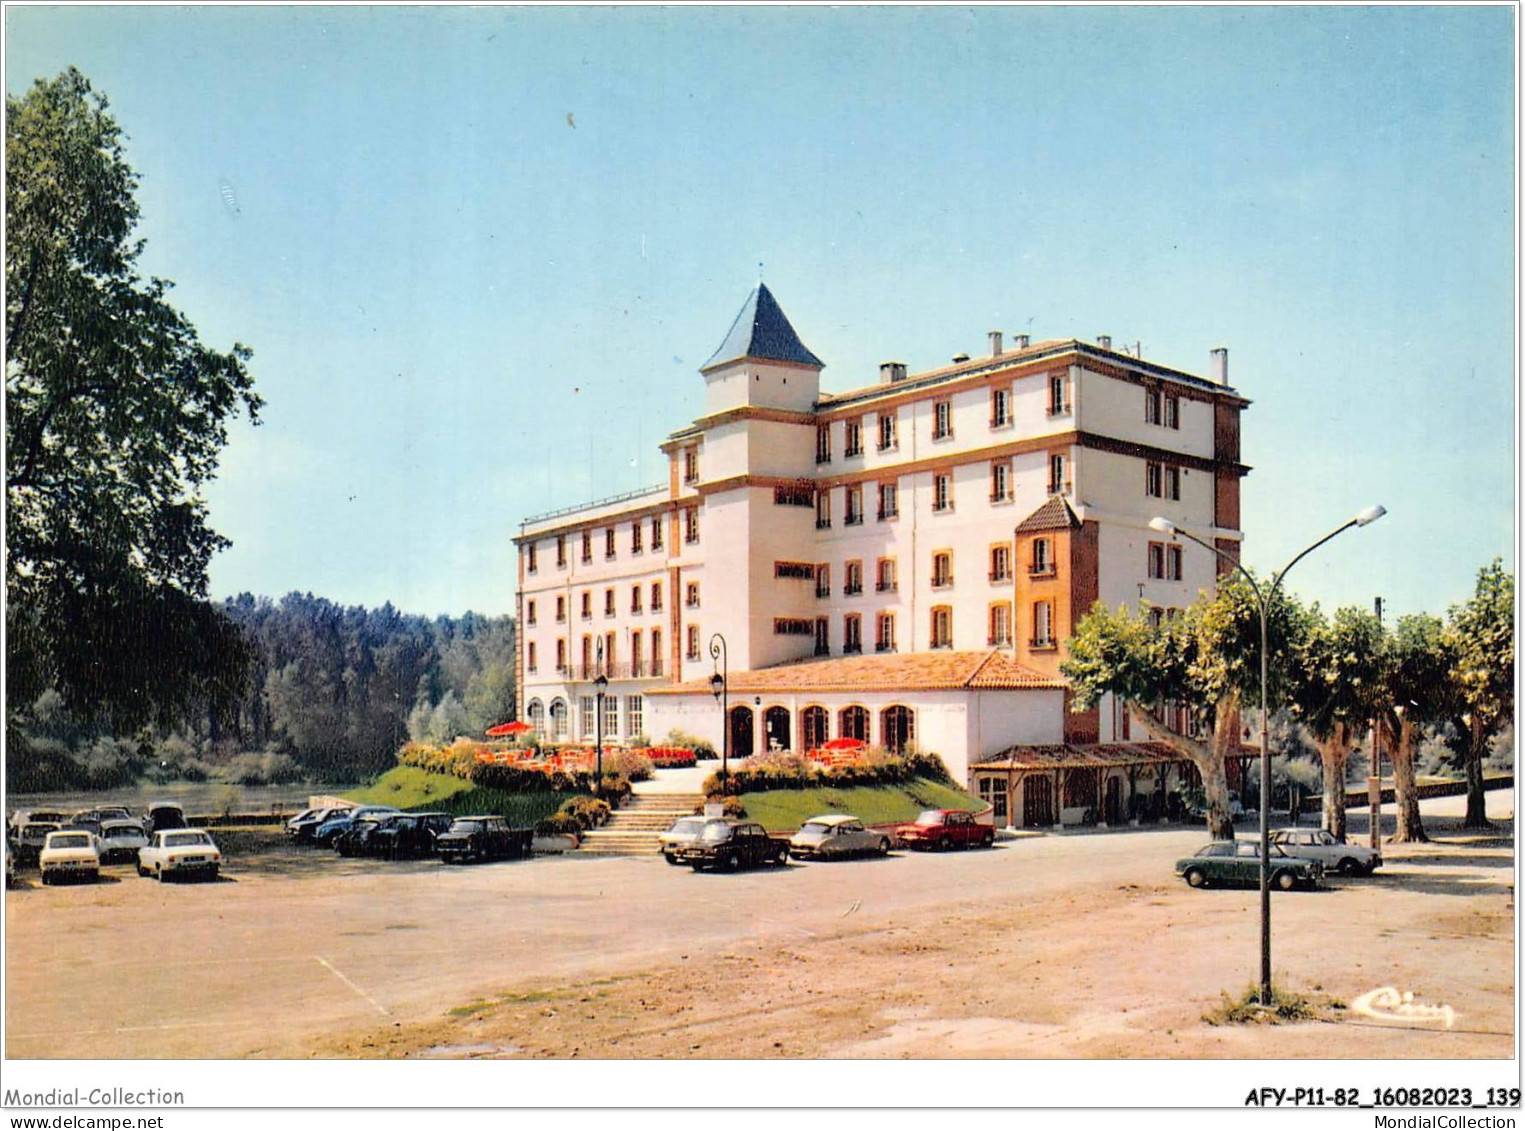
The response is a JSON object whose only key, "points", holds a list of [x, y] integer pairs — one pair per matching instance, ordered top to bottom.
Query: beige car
{"points": [[684, 831], [836, 836], [70, 854], [1333, 854]]}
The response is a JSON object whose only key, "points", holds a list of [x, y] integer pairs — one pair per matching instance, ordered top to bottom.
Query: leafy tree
{"points": [[115, 417], [1482, 631], [1207, 661], [1337, 677], [1419, 690]]}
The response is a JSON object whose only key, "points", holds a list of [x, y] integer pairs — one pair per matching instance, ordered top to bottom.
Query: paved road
{"points": [[253, 965]]}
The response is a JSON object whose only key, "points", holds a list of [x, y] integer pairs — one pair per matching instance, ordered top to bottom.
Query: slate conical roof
{"points": [[762, 331]]}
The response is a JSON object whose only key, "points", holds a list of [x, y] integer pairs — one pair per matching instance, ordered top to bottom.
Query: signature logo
{"points": [[1399, 1008]]}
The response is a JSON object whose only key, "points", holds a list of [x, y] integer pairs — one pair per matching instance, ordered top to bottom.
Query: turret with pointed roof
{"points": [[762, 332]]}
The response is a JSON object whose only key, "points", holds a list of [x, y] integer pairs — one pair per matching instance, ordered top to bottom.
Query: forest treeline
{"points": [[330, 693]]}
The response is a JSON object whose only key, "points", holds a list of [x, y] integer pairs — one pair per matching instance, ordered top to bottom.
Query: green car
{"points": [[1238, 862]]}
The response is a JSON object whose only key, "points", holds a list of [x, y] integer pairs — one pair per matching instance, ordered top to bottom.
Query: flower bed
{"points": [[670, 757], [785, 770]]}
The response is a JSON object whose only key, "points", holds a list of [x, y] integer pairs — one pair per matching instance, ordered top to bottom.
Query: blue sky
{"points": [[480, 253]]}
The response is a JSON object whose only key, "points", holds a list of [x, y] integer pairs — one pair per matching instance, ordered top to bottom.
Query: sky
{"points": [[480, 253]]}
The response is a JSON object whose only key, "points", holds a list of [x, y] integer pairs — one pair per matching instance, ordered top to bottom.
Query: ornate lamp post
{"points": [[1263, 599], [600, 685], [718, 685]]}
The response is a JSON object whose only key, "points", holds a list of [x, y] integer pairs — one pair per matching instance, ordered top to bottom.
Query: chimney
{"points": [[1020, 341], [1104, 341], [995, 343], [960, 358], [1220, 365], [891, 371]]}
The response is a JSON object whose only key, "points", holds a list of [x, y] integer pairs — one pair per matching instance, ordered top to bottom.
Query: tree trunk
{"points": [[1333, 753], [1208, 760], [1477, 813], [1410, 828]]}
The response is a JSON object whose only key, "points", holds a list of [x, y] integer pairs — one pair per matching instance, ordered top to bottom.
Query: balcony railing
{"points": [[1059, 409], [854, 450], [823, 457], [1000, 496], [892, 512], [853, 519], [823, 524], [1042, 569], [1000, 575], [885, 587], [851, 589], [823, 590], [998, 639], [1043, 642], [884, 646], [822, 649], [852, 649]]}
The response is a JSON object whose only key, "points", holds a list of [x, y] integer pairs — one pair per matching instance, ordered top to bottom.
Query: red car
{"points": [[945, 828]]}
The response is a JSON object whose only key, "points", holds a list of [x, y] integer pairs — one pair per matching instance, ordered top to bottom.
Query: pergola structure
{"points": [[1106, 784]]}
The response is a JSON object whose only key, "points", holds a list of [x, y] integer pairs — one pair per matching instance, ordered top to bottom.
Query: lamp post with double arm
{"points": [[1263, 599], [718, 685]]}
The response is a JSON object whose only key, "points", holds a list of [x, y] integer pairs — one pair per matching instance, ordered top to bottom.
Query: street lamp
{"points": [[1263, 599], [600, 685], [718, 685]]}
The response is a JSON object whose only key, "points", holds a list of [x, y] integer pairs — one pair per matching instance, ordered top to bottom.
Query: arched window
{"points": [[536, 714], [558, 720], [814, 721], [853, 723], [897, 727], [776, 728]]}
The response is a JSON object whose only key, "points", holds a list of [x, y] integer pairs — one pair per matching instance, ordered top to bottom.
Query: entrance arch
{"points": [[776, 725], [741, 732]]}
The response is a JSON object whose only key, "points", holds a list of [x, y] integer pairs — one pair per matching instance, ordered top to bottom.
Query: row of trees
{"points": [[1340, 673], [329, 693]]}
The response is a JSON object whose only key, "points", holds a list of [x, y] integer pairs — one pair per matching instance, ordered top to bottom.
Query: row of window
{"points": [[1162, 408], [886, 427], [1001, 487], [637, 540], [1164, 561], [886, 580], [637, 592], [941, 629], [635, 711], [897, 723]]}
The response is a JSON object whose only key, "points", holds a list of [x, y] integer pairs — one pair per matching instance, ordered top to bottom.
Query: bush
{"points": [[703, 749], [630, 764], [261, 768], [784, 770], [732, 806], [588, 812], [559, 824]]}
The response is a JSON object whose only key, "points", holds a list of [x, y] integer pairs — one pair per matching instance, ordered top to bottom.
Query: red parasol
{"points": [[508, 728], [845, 744]]}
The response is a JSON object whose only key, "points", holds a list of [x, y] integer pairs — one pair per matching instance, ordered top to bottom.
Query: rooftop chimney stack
{"points": [[1020, 341], [1104, 341], [995, 343], [960, 357], [1220, 365], [891, 371]]}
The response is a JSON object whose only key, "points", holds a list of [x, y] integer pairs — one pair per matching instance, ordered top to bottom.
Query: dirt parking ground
{"points": [[1059, 946]]}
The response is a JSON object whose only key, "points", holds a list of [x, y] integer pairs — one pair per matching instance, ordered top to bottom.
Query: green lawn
{"points": [[408, 787], [779, 810]]}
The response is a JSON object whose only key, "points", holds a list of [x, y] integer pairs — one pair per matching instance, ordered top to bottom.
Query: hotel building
{"points": [[902, 561]]}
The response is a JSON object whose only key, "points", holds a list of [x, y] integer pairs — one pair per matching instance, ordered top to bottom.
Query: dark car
{"points": [[164, 815], [91, 819], [340, 820], [302, 827], [945, 828], [34, 834], [409, 836], [482, 837], [360, 838], [732, 844], [1237, 862]]}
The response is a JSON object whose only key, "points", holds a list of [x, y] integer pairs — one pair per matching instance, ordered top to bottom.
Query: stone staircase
{"points": [[635, 829]]}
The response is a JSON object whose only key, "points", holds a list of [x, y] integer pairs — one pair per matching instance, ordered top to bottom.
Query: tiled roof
{"points": [[762, 331], [1052, 515], [917, 671], [1070, 756]]}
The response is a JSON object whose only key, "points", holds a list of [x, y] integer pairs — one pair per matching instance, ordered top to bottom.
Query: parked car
{"points": [[163, 815], [23, 817], [92, 819], [302, 827], [945, 828], [685, 830], [325, 833], [33, 836], [409, 836], [835, 836], [483, 837], [357, 839], [121, 840], [731, 844], [180, 852], [72, 854], [1334, 854], [1238, 862]]}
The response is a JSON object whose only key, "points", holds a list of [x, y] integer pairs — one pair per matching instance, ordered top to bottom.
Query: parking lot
{"points": [[1048, 946]]}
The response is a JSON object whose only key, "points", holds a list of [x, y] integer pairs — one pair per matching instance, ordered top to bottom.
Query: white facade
{"points": [[799, 525]]}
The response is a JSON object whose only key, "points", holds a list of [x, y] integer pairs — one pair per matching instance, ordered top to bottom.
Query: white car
{"points": [[834, 836], [121, 839], [180, 852], [70, 854], [1335, 856]]}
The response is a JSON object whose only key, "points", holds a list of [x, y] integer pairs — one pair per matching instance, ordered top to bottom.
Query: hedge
{"points": [[782, 770]]}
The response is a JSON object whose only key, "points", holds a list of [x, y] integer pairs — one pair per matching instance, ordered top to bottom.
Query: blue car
{"points": [[340, 822]]}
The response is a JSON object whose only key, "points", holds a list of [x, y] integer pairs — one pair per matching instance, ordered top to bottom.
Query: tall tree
{"points": [[115, 417], [1483, 632], [1207, 661], [1336, 679], [1420, 688]]}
